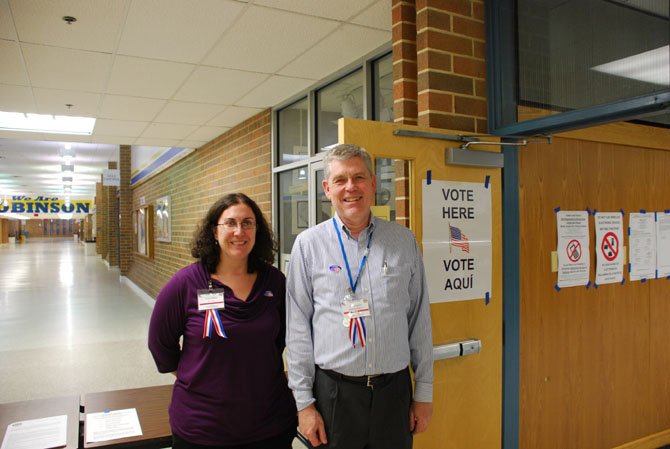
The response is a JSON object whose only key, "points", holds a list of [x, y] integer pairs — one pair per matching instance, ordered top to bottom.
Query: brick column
{"points": [[404, 62], [451, 68], [125, 210], [100, 220], [112, 221]]}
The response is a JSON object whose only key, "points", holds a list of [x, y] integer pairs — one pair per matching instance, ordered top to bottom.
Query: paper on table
{"points": [[112, 425], [37, 433]]}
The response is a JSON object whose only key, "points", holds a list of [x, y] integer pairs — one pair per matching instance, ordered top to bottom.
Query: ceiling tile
{"points": [[339, 10], [376, 16], [96, 29], [7, 30], [176, 30], [264, 39], [340, 48], [61, 68], [12, 70], [146, 78], [218, 86], [273, 91], [16, 99], [51, 101], [130, 108], [188, 113], [233, 115], [124, 128], [168, 131], [207, 133], [118, 140], [156, 142], [192, 143]]}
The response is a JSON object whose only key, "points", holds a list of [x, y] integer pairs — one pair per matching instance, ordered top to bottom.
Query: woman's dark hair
{"points": [[205, 247]]}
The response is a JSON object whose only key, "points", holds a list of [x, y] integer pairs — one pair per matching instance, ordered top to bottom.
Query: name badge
{"points": [[211, 299], [354, 307]]}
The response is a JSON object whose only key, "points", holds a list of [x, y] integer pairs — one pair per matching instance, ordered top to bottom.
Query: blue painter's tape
{"points": [[429, 174], [486, 181], [558, 209], [588, 211], [595, 211], [642, 211], [667, 211], [622, 212], [629, 231], [629, 264], [656, 274], [668, 278], [623, 280], [643, 280], [588, 285], [595, 285], [558, 289], [488, 298]]}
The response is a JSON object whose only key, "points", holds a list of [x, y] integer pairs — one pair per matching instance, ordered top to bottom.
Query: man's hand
{"points": [[420, 414], [310, 425]]}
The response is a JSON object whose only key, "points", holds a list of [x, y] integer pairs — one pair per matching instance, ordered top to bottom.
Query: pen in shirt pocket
{"points": [[385, 268]]}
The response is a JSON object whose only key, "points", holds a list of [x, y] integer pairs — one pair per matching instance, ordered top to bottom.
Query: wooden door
{"points": [[467, 390]]}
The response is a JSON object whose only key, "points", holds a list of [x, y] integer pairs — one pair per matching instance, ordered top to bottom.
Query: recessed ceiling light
{"points": [[58, 124]]}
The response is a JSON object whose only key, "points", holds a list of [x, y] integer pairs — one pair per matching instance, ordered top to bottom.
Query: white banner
{"points": [[457, 240], [609, 247], [574, 260]]}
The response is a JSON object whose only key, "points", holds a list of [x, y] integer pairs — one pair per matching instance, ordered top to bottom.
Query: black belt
{"points": [[376, 380]]}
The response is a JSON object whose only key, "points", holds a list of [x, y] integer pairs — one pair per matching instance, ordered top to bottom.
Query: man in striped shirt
{"points": [[358, 317]]}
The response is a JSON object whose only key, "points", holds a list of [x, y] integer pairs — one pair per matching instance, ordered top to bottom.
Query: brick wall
{"points": [[450, 64], [239, 160], [125, 210], [100, 220], [111, 226]]}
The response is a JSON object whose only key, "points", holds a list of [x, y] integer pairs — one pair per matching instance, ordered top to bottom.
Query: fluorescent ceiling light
{"points": [[651, 66], [59, 124]]}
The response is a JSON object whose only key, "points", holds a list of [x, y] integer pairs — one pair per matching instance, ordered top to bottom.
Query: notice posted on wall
{"points": [[642, 238], [457, 240], [663, 244], [609, 247], [574, 260]]}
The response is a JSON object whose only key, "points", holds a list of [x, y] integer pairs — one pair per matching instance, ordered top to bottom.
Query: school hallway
{"points": [[69, 325]]}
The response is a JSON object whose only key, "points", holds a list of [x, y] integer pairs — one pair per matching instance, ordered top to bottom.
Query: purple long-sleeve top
{"points": [[228, 390]]}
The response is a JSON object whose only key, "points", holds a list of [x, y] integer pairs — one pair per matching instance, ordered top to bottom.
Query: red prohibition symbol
{"points": [[610, 246], [574, 250]]}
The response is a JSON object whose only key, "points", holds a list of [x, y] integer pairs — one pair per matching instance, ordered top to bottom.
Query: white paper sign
{"points": [[111, 177], [457, 240], [642, 240], [663, 244], [609, 247], [574, 261], [112, 425], [39, 433]]}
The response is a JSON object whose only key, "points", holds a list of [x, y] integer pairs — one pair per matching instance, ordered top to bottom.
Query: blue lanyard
{"points": [[346, 261]]}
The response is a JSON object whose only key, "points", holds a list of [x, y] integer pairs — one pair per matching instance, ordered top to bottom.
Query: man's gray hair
{"points": [[343, 152]]}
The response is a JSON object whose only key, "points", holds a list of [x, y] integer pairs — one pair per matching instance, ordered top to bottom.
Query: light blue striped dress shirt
{"points": [[399, 328]]}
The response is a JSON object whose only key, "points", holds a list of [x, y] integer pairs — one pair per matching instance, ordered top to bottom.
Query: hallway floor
{"points": [[68, 325]]}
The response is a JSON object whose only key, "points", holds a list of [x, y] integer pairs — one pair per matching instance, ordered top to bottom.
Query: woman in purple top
{"points": [[229, 310]]}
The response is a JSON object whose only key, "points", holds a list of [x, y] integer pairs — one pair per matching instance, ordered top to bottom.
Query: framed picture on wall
{"points": [[163, 221], [145, 224]]}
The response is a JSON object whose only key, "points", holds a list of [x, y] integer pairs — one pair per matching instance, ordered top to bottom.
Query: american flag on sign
{"points": [[458, 239]]}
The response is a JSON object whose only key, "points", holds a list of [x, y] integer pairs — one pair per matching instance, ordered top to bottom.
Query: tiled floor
{"points": [[68, 325]]}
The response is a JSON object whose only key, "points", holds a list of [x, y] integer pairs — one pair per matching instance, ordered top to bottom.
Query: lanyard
{"points": [[346, 261]]}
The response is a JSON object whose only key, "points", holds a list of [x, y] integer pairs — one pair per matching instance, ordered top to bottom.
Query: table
{"points": [[151, 404], [43, 408]]}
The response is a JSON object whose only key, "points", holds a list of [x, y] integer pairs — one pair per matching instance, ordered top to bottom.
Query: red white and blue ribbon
{"points": [[213, 321], [356, 325], [357, 329]]}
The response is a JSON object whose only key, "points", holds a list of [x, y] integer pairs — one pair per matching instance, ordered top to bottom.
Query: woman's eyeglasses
{"points": [[231, 224]]}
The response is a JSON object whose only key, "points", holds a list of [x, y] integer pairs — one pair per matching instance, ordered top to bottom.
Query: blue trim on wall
{"points": [[162, 159], [511, 302]]}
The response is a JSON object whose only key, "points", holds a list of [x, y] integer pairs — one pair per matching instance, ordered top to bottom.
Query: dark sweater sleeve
{"points": [[167, 324]]}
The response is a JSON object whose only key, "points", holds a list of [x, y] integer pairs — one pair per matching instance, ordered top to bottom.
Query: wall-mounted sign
{"points": [[111, 177], [45, 205]]}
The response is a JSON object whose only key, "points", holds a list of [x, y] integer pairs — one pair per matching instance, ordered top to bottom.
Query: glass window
{"points": [[579, 53], [383, 85], [343, 98], [292, 132], [392, 197], [323, 205], [293, 210]]}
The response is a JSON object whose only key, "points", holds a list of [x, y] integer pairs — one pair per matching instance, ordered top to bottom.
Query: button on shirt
{"points": [[393, 280]]}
